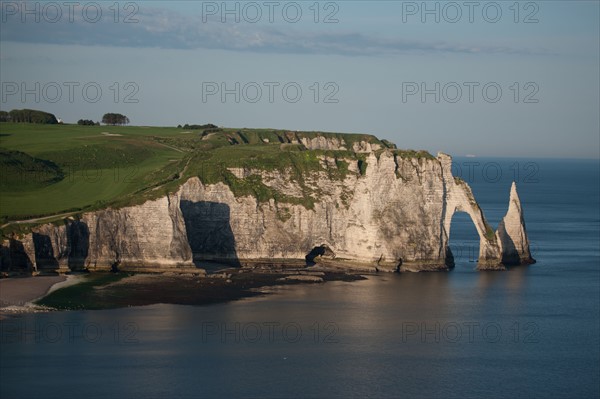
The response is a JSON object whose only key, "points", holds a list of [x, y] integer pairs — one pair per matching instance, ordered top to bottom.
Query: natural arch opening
{"points": [[463, 242], [318, 253]]}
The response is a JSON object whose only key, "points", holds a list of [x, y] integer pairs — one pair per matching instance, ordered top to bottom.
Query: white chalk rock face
{"points": [[460, 198], [386, 212], [512, 235], [150, 236]]}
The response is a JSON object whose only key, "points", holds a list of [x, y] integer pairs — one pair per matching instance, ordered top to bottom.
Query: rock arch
{"points": [[459, 198], [508, 245]]}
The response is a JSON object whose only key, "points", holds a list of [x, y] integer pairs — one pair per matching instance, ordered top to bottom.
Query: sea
{"points": [[529, 332]]}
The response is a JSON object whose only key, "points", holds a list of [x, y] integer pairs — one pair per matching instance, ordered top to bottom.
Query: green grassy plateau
{"points": [[50, 170]]}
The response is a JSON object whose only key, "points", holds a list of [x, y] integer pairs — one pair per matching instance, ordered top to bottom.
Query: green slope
{"points": [[53, 169]]}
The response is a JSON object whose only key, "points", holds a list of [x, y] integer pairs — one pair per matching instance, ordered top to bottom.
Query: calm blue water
{"points": [[529, 332]]}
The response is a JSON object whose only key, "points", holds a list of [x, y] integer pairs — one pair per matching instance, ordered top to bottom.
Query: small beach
{"points": [[108, 290], [18, 293]]}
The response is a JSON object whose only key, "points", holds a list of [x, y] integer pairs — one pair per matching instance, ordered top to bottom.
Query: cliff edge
{"points": [[368, 208]]}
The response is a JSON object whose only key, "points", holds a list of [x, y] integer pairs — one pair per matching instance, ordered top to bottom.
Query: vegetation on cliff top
{"points": [[28, 116], [56, 169]]}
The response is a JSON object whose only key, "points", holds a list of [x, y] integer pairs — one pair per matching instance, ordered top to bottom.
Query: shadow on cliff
{"points": [[209, 232], [78, 242], [44, 253], [510, 255], [14, 257]]}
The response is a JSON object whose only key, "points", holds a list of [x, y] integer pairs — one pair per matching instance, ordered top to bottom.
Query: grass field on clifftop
{"points": [[51, 170]]}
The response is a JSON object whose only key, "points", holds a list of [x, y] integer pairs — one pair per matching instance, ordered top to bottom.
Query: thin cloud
{"points": [[161, 28]]}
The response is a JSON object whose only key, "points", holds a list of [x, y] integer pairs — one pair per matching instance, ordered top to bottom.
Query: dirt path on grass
{"points": [[36, 220]]}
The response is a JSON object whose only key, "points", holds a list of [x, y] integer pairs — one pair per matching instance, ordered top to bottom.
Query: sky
{"points": [[504, 78]]}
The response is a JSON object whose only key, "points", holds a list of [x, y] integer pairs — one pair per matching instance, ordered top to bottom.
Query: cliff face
{"points": [[324, 143], [390, 214], [395, 214], [512, 235], [148, 236]]}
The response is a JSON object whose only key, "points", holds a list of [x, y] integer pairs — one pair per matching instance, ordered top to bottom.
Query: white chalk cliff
{"points": [[394, 215], [512, 235]]}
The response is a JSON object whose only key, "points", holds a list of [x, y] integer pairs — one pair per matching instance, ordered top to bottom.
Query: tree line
{"points": [[28, 116], [35, 116], [107, 119], [115, 119], [87, 122], [195, 127]]}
